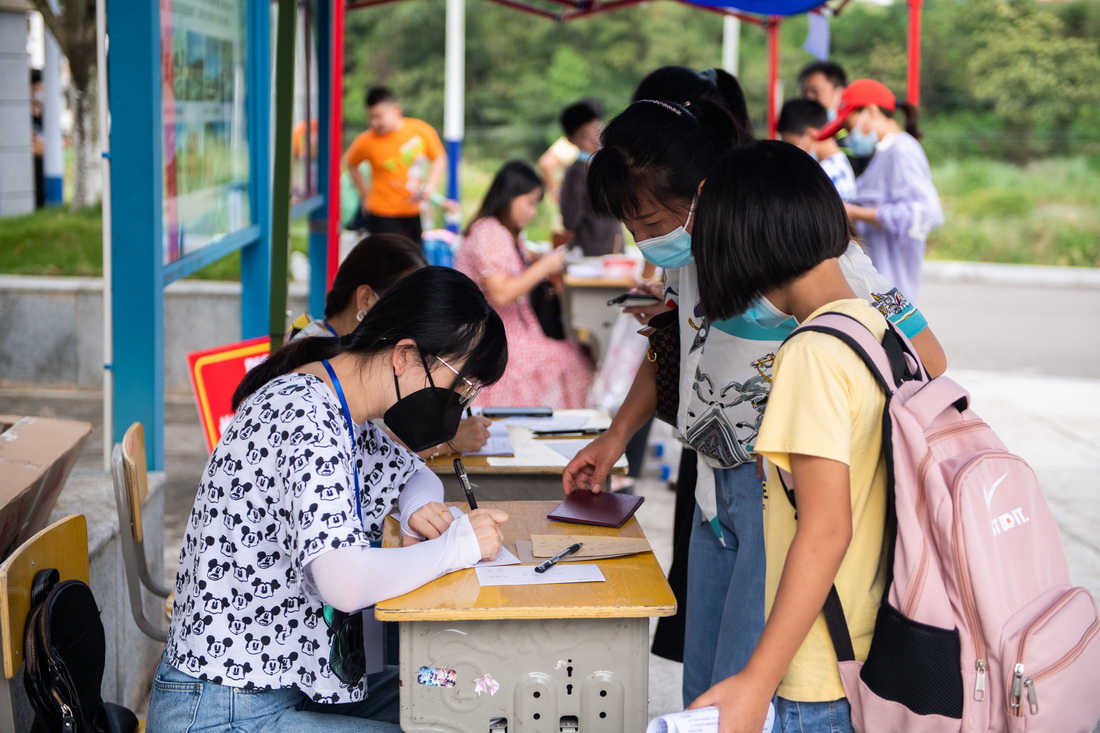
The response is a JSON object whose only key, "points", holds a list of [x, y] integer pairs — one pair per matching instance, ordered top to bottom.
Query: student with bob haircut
{"points": [[655, 160], [770, 233], [281, 552]]}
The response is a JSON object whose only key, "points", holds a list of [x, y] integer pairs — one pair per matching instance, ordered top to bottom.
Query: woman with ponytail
{"points": [[655, 160], [897, 205], [281, 552]]}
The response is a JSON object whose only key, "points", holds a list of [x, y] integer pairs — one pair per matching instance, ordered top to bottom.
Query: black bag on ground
{"points": [[64, 647]]}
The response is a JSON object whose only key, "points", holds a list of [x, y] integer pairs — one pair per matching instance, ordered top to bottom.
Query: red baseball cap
{"points": [[859, 93]]}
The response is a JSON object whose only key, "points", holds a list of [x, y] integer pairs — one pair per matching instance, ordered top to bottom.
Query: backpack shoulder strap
{"points": [[891, 361], [42, 584]]}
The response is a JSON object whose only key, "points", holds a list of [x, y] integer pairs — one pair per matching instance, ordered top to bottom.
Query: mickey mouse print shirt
{"points": [[278, 492]]}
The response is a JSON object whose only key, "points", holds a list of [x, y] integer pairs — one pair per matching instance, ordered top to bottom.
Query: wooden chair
{"points": [[131, 488], [64, 546]]}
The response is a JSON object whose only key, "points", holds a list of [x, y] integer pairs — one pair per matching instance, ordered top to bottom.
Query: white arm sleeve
{"points": [[423, 487], [350, 578]]}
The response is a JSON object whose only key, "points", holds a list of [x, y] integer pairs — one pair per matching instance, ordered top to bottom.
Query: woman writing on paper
{"points": [[280, 553]]}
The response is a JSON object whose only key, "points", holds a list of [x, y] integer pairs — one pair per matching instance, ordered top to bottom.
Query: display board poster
{"points": [[205, 141], [215, 374]]}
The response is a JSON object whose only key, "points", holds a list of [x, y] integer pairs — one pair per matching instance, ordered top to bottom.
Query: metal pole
{"points": [[731, 44], [773, 75], [913, 80], [454, 92], [336, 140], [53, 163], [105, 173], [280, 179]]}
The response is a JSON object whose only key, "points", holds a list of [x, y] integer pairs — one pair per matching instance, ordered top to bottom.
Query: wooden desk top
{"points": [[598, 282], [532, 455], [635, 585]]}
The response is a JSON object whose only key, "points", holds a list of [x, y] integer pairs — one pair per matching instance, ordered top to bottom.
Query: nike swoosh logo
{"points": [[993, 489]]}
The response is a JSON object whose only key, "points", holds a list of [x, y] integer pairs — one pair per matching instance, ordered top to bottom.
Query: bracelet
{"points": [[451, 445]]}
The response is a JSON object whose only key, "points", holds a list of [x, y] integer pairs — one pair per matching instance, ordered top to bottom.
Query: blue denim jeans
{"points": [[725, 610], [181, 703], [813, 717]]}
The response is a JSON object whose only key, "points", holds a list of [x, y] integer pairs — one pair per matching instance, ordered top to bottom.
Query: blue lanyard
{"points": [[332, 331], [351, 431]]}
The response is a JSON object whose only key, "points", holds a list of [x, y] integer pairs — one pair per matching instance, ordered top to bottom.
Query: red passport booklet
{"points": [[605, 509]]}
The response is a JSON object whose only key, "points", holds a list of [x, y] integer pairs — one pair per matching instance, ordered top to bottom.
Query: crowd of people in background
{"points": [[744, 239]]}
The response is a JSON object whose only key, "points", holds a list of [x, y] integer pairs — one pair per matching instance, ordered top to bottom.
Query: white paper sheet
{"points": [[546, 423], [499, 444], [567, 448], [504, 557], [526, 575], [700, 720]]}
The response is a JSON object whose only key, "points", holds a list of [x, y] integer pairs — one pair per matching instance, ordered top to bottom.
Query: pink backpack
{"points": [[980, 628]]}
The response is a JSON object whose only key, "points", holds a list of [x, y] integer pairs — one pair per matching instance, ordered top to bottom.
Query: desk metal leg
{"points": [[555, 675]]}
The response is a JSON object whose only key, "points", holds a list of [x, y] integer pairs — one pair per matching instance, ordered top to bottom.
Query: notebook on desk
{"points": [[605, 509]]}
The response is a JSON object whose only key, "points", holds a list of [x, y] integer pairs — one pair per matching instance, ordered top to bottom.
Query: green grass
{"points": [[1046, 213]]}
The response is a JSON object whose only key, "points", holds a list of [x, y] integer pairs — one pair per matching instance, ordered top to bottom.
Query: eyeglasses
{"points": [[471, 390], [347, 653]]}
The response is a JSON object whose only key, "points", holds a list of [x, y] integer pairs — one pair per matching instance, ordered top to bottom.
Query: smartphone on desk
{"points": [[628, 300], [491, 412]]}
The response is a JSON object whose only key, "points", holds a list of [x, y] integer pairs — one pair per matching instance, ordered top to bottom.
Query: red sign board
{"points": [[215, 374]]}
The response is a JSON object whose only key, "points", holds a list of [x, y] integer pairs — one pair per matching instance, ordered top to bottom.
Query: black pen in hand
{"points": [[463, 479], [546, 565]]}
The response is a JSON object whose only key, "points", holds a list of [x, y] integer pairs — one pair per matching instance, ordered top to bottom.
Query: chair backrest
{"points": [[137, 477], [64, 546]]}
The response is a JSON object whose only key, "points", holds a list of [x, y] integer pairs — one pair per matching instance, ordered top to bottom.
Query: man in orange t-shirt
{"points": [[407, 161]]}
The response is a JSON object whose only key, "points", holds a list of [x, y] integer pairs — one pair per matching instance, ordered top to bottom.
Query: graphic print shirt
{"points": [[277, 493]]}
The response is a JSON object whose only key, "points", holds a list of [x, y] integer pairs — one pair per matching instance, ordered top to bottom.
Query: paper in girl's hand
{"points": [[504, 557], [700, 720]]}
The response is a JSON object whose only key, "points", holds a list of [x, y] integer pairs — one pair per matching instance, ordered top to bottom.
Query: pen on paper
{"points": [[578, 431], [463, 479], [544, 566]]}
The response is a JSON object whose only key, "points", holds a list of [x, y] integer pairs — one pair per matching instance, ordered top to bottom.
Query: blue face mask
{"points": [[862, 144], [584, 157], [670, 250], [766, 316]]}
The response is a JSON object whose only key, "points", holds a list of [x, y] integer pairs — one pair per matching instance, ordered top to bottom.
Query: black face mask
{"points": [[425, 418]]}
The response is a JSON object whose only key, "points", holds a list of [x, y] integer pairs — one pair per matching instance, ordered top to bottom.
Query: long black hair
{"points": [[688, 87], [661, 150], [515, 178], [767, 214], [379, 260], [439, 308]]}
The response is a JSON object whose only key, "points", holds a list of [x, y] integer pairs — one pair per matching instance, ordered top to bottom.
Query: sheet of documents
{"points": [[546, 423], [499, 444], [567, 448], [548, 545], [504, 557], [526, 575], [700, 720]]}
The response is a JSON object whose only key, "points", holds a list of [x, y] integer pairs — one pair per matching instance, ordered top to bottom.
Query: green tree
{"points": [[1033, 75]]}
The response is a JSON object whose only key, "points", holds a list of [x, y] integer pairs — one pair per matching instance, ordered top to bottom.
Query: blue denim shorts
{"points": [[182, 703], [834, 716]]}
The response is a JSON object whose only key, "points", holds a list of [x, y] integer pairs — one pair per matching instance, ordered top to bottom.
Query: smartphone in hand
{"points": [[628, 300]]}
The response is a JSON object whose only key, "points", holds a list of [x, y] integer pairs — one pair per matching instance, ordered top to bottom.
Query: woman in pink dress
{"points": [[541, 370]]}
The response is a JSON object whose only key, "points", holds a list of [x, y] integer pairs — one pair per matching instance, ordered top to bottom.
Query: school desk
{"points": [[587, 313], [534, 472], [531, 658]]}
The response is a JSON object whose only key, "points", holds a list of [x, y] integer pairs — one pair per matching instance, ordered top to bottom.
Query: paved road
{"points": [[1013, 328]]}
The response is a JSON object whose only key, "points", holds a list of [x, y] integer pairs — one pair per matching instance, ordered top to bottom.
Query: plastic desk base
{"points": [[582, 675]]}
